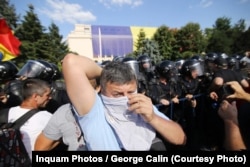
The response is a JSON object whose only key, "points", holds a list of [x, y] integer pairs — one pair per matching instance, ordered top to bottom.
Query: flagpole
{"points": [[100, 41]]}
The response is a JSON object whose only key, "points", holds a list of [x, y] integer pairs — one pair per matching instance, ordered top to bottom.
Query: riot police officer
{"points": [[209, 61], [232, 63], [8, 71], [190, 71], [147, 72], [223, 74], [167, 91], [10, 96]]}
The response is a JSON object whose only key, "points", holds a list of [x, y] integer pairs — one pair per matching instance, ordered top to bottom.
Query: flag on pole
{"points": [[9, 44]]}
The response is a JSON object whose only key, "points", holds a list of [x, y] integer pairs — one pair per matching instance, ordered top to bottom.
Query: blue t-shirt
{"points": [[98, 133]]}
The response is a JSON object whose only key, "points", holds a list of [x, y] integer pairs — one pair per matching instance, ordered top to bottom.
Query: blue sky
{"points": [[150, 13]]}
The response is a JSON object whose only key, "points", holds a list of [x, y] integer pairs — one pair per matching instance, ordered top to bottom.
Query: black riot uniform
{"points": [[190, 71], [147, 73], [226, 74], [9, 86], [167, 87]]}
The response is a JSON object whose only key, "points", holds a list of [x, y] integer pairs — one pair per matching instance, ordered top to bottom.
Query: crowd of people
{"points": [[131, 104]]}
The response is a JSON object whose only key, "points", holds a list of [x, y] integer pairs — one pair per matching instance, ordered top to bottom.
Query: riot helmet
{"points": [[223, 55], [237, 56], [198, 57], [210, 57], [118, 58], [127, 59], [201, 60], [144, 62], [209, 62], [221, 62], [232, 62], [104, 63], [179, 63], [133, 64], [191, 65], [39, 69], [167, 69], [8, 70], [56, 72], [14, 90]]}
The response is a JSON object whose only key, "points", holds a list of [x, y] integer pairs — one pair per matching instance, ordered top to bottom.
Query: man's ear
{"points": [[35, 95]]}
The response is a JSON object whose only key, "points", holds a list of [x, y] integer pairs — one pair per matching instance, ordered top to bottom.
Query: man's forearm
{"points": [[169, 130], [233, 138]]}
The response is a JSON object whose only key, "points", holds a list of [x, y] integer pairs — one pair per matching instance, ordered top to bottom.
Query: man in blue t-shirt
{"points": [[118, 118]]}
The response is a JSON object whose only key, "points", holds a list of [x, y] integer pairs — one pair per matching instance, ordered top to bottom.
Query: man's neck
{"points": [[28, 105]]}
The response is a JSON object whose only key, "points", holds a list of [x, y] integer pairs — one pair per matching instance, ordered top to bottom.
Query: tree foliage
{"points": [[8, 11], [31, 34], [164, 37], [228, 38], [190, 39], [221, 40], [238, 40], [245, 40], [37, 42], [140, 42], [145, 46], [56, 49], [151, 49]]}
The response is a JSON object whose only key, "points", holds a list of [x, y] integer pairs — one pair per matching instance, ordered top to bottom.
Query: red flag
{"points": [[9, 44]]}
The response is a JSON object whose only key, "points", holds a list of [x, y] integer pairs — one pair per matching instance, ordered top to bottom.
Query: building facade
{"points": [[102, 43]]}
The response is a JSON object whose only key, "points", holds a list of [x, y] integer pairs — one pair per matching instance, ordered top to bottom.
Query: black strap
{"points": [[74, 115], [20, 121]]}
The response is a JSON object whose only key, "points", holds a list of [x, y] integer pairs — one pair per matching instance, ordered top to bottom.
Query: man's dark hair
{"points": [[116, 72], [31, 86]]}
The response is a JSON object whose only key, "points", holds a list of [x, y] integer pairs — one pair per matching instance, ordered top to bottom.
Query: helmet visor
{"points": [[134, 65], [198, 68], [31, 69]]}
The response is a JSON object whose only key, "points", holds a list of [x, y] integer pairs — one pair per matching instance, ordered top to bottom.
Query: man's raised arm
{"points": [[77, 70]]}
